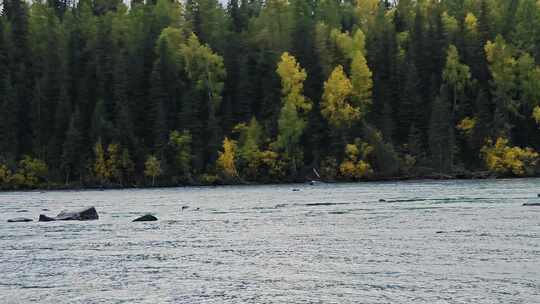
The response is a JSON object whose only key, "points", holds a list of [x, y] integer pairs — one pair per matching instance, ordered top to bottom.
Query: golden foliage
{"points": [[366, 10], [471, 23], [292, 82], [362, 82], [336, 105], [536, 115], [467, 125], [227, 159], [505, 160], [107, 165], [100, 166], [353, 167], [30, 173]]}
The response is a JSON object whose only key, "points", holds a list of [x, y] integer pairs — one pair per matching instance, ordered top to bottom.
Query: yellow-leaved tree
{"points": [[366, 11], [292, 82], [362, 82], [346, 101], [336, 104], [292, 121], [226, 161], [100, 165], [107, 166], [152, 168]]}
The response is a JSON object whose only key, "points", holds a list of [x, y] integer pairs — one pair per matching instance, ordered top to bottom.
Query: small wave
{"points": [[325, 204]]}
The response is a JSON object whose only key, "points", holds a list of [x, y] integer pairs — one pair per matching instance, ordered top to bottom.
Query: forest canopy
{"points": [[166, 92]]}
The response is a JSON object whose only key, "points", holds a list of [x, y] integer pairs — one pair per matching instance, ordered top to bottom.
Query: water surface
{"points": [[428, 242]]}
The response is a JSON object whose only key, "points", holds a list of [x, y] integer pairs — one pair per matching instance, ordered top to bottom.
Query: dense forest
{"points": [[97, 92]]}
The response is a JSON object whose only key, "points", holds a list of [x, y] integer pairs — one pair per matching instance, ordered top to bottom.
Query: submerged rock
{"points": [[382, 200], [532, 204], [86, 214], [146, 218], [19, 220]]}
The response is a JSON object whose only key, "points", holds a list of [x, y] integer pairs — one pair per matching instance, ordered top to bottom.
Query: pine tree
{"points": [[8, 119], [441, 135], [71, 157]]}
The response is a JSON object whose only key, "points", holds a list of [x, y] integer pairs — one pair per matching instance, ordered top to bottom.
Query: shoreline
{"points": [[432, 177]]}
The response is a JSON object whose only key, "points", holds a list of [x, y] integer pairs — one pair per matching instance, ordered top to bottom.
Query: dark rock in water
{"points": [[295, 190], [538, 195], [382, 200], [532, 204], [184, 207], [45, 209], [22, 211], [86, 214], [44, 218], [146, 218], [19, 220]]}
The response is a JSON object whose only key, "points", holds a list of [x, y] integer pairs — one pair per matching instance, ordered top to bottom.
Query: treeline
{"points": [[93, 92]]}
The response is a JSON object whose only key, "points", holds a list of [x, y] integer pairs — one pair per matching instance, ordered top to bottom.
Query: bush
{"points": [[502, 159], [354, 166], [31, 173], [5, 176]]}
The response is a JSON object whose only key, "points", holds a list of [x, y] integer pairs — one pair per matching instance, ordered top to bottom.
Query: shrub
{"points": [[502, 159]]}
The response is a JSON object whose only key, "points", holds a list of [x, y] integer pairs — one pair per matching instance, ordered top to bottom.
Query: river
{"points": [[428, 242]]}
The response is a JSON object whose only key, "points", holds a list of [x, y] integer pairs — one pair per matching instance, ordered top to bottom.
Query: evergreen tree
{"points": [[441, 135]]}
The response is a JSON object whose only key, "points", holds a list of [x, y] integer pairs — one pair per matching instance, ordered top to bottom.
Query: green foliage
{"points": [[502, 65], [456, 74], [402, 75], [536, 115], [181, 147], [249, 154], [152, 168], [31, 173], [5, 176]]}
